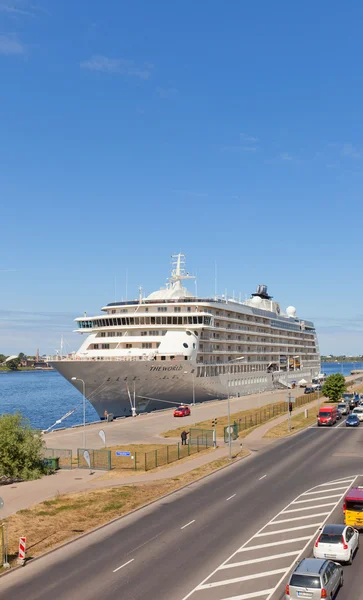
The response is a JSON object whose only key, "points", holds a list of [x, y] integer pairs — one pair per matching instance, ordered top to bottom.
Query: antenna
{"points": [[215, 279]]}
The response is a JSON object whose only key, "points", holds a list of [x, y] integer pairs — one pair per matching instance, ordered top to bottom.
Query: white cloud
{"points": [[9, 44], [118, 66]]}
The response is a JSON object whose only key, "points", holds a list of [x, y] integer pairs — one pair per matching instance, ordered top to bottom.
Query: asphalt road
{"points": [[165, 551]]}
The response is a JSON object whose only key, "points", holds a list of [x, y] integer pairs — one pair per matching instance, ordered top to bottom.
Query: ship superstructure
{"points": [[174, 347]]}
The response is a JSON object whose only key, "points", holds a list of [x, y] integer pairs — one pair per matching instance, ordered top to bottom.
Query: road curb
{"points": [[237, 460]]}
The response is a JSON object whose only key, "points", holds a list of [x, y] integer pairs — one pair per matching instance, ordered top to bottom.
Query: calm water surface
{"points": [[45, 396], [42, 397]]}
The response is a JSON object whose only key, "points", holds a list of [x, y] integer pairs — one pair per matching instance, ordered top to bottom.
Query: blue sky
{"points": [[134, 130]]}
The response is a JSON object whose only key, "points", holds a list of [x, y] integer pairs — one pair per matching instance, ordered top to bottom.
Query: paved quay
{"points": [[146, 428], [22, 495]]}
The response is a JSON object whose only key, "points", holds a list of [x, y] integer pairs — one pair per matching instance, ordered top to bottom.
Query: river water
{"points": [[45, 396]]}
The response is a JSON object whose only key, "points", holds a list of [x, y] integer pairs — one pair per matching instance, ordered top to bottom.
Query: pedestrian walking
{"points": [[184, 434]]}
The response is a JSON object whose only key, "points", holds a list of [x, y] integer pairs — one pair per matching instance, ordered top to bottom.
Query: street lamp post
{"points": [[193, 387], [84, 409], [229, 413]]}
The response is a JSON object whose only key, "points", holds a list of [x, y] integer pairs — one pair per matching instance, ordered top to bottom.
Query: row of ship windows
{"points": [[125, 321], [152, 332], [127, 346], [213, 370]]}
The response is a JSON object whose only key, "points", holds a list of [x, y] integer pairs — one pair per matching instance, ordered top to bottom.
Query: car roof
{"points": [[355, 493], [330, 529], [313, 566]]}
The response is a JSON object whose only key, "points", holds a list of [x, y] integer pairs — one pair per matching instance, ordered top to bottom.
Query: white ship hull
{"points": [[110, 385]]}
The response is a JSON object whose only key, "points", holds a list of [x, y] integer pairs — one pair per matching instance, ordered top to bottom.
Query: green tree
{"points": [[21, 356], [13, 364], [334, 386], [21, 448]]}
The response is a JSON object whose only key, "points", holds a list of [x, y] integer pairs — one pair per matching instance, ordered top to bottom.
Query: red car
{"points": [[182, 411]]}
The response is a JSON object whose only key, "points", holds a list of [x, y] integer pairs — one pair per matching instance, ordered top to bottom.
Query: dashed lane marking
{"points": [[263, 477], [230, 498], [187, 525], [124, 565]]}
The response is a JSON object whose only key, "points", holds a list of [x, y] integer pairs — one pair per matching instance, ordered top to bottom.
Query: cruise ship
{"points": [[174, 347]]}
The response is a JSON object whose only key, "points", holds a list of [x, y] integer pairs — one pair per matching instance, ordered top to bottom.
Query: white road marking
{"points": [[263, 477], [334, 482], [319, 491], [231, 497], [318, 499], [307, 508], [300, 518], [187, 525], [289, 529], [307, 538], [281, 543], [258, 560], [124, 565], [214, 584], [250, 595]]}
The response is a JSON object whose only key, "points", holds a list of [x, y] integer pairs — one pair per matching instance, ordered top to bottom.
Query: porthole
{"points": [[188, 333], [196, 333], [185, 345]]}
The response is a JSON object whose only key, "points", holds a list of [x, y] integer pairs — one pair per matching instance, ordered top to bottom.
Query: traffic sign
{"points": [[290, 399], [230, 429], [119, 453]]}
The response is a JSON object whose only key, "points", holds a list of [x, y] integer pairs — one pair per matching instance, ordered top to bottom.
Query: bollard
{"points": [[306, 413]]}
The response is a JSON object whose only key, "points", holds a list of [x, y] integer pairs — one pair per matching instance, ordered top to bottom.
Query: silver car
{"points": [[343, 407], [313, 579]]}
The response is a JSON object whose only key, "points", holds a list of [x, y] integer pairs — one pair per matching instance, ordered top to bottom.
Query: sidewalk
{"points": [[20, 496]]}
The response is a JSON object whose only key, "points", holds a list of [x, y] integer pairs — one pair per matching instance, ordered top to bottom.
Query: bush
{"points": [[334, 386], [21, 448]]}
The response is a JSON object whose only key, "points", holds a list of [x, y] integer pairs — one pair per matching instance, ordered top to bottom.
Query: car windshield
{"points": [[341, 405], [358, 410], [324, 413], [352, 418], [354, 505], [330, 538], [307, 581]]}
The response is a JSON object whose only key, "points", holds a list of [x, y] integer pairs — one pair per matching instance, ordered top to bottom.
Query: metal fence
{"points": [[273, 410], [201, 436], [169, 454], [65, 456], [100, 459]]}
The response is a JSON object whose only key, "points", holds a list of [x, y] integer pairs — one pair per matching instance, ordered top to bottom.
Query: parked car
{"points": [[308, 390], [344, 408], [182, 411], [359, 412], [327, 415], [352, 421], [337, 542], [314, 578]]}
